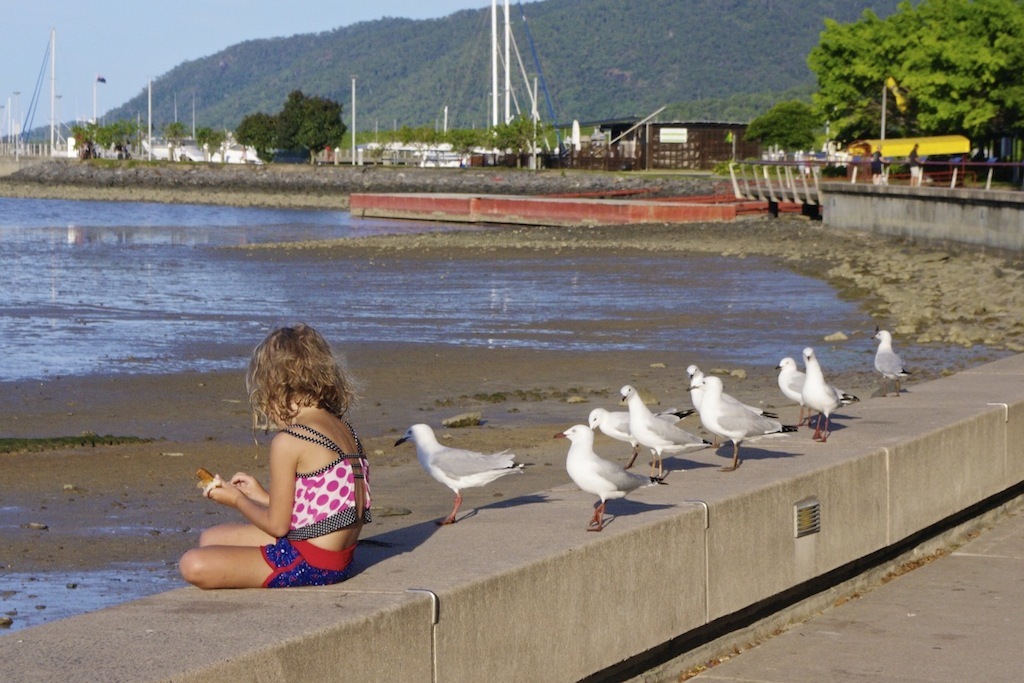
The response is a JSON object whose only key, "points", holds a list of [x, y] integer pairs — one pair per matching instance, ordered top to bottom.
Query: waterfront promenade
{"points": [[681, 576], [956, 618]]}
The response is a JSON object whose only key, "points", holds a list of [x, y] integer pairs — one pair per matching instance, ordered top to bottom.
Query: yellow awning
{"points": [[900, 147]]}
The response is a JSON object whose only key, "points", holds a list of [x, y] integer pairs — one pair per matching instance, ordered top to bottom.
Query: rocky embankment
{"points": [[321, 186]]}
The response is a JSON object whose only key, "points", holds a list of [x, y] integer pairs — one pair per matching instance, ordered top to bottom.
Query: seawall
{"points": [[58, 175], [986, 218], [520, 591]]}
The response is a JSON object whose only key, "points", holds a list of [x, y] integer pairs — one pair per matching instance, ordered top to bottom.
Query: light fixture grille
{"points": [[807, 518]]}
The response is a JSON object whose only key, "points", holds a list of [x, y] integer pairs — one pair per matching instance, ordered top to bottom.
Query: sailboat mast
{"points": [[494, 62], [508, 70], [53, 90]]}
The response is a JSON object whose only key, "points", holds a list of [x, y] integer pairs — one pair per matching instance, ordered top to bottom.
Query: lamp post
{"points": [[99, 79], [56, 120], [353, 120], [17, 126]]}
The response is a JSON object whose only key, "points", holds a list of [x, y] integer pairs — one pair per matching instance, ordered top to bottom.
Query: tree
{"points": [[956, 64], [309, 123], [790, 125], [321, 126], [259, 131], [118, 136], [518, 136], [85, 139], [210, 140], [463, 140]]}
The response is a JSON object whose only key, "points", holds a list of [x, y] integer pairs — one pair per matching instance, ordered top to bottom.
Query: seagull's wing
{"points": [[889, 363], [739, 418], [457, 462], [618, 477]]}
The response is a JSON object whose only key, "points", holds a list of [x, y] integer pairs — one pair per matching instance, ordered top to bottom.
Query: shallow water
{"points": [[106, 287], [31, 600]]}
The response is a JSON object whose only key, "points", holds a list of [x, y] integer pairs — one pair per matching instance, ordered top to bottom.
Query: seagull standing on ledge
{"points": [[888, 362], [791, 382], [697, 393], [818, 395], [733, 420], [616, 425], [651, 432], [457, 468], [606, 480]]}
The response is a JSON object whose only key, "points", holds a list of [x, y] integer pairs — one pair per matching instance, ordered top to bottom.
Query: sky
{"points": [[130, 42]]}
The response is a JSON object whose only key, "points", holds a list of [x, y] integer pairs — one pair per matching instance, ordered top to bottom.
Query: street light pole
{"points": [[353, 120], [17, 126]]}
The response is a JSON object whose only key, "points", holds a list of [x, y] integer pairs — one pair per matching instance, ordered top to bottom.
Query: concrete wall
{"points": [[992, 218], [520, 591]]}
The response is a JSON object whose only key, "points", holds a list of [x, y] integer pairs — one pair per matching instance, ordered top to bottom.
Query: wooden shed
{"points": [[632, 144]]}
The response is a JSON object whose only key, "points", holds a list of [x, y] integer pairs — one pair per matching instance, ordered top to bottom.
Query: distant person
{"points": [[877, 168], [915, 168], [295, 383]]}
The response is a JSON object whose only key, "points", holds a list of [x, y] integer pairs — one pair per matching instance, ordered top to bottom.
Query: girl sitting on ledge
{"points": [[303, 531]]}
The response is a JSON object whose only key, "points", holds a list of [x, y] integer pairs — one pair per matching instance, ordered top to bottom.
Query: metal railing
{"points": [[778, 182], [798, 182]]}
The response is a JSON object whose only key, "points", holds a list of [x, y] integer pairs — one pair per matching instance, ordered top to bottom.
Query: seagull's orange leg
{"points": [[636, 449], [735, 458], [450, 519], [597, 523]]}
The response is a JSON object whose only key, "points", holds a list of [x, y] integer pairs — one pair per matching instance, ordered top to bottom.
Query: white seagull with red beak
{"points": [[457, 468], [606, 480]]}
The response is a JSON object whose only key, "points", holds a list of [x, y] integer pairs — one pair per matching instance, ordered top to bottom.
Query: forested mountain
{"points": [[598, 59]]}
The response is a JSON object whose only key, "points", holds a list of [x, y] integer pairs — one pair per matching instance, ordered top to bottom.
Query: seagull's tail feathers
{"points": [[846, 399], [684, 412], [769, 415], [789, 428]]}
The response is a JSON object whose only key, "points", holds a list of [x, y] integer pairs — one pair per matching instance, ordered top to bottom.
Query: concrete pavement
{"points": [[957, 618]]}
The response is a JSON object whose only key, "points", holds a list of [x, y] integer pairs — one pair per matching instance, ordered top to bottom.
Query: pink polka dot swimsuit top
{"points": [[325, 500]]}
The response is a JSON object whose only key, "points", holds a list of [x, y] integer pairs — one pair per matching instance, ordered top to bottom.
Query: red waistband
{"points": [[320, 558]]}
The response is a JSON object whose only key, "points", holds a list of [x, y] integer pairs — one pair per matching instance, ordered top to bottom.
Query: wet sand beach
{"points": [[96, 507]]}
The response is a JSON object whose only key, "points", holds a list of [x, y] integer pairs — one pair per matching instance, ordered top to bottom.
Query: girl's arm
{"points": [[274, 514]]}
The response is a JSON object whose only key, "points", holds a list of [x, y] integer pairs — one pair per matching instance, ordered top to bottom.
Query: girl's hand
{"points": [[249, 487], [223, 495]]}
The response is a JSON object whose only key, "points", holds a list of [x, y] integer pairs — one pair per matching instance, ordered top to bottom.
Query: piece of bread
{"points": [[205, 478], [208, 482]]}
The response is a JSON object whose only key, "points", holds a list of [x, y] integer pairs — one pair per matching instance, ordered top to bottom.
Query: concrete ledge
{"points": [[992, 218], [509, 588]]}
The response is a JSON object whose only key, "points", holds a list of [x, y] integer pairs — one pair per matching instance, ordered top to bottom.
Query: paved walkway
{"points": [[958, 618]]}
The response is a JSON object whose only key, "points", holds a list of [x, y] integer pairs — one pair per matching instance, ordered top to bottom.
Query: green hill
{"points": [[705, 59]]}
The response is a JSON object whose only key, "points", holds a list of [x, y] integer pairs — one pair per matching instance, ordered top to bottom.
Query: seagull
{"points": [[888, 362], [791, 382], [697, 393], [818, 395], [697, 396], [733, 421], [616, 425], [658, 435], [457, 468], [606, 480]]}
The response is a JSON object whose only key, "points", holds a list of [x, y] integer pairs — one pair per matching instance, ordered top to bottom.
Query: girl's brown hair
{"points": [[295, 367]]}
